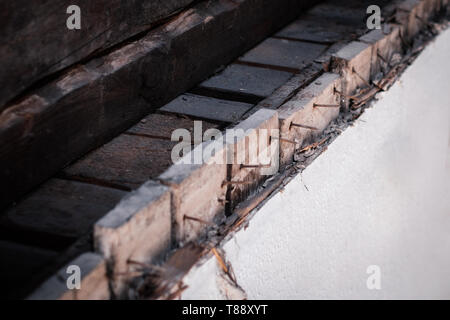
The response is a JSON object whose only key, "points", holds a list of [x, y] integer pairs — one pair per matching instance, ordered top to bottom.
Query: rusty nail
{"points": [[317, 105], [303, 126], [286, 140], [314, 145], [250, 166]]}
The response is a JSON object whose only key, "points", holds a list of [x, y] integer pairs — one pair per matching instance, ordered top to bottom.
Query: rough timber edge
{"points": [[170, 282]]}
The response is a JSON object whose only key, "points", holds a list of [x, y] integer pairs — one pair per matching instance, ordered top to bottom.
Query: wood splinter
{"points": [[314, 145], [220, 260]]}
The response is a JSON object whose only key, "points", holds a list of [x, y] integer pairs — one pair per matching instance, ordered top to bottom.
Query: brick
{"points": [[406, 14], [384, 45], [293, 55], [353, 63], [248, 80], [207, 108], [301, 110], [162, 125], [254, 140], [126, 161], [197, 191], [63, 208], [138, 229], [18, 265], [94, 283]]}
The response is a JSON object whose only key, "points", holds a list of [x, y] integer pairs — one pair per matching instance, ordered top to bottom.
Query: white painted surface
{"points": [[380, 195]]}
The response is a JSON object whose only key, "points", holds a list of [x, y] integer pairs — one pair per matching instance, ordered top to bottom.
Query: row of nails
{"points": [[315, 105]]}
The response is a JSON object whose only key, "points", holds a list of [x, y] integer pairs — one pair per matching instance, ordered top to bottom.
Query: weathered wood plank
{"points": [[313, 28], [36, 41], [294, 55], [246, 80], [90, 104], [207, 108], [162, 125], [128, 161], [62, 208]]}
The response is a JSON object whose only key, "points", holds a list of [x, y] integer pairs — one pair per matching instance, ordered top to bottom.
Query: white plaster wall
{"points": [[380, 195]]}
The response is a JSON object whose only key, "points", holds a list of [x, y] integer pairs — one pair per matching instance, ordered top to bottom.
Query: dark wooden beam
{"points": [[36, 41]]}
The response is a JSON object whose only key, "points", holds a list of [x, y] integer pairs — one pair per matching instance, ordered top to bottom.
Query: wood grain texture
{"points": [[36, 41], [293, 55], [247, 80], [207, 108], [162, 125], [128, 161], [63, 208]]}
